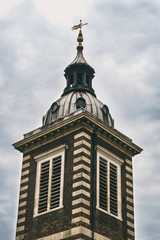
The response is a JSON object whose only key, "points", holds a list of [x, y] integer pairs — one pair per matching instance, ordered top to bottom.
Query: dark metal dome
{"points": [[79, 73], [71, 102]]}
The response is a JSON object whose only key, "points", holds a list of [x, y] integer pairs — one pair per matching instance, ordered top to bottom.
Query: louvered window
{"points": [[49, 183], [55, 183], [44, 184], [103, 184], [108, 185], [113, 189]]}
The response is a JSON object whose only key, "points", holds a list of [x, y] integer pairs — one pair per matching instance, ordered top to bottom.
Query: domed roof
{"points": [[78, 93], [72, 102]]}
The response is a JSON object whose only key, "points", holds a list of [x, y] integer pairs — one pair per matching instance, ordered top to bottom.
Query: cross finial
{"points": [[75, 27]]}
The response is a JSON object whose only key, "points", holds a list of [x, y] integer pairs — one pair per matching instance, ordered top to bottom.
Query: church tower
{"points": [[76, 179]]}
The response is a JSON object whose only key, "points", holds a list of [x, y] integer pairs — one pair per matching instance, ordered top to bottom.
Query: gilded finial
{"points": [[80, 36]]}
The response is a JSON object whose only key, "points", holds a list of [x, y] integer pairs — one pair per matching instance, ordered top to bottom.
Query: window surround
{"points": [[44, 157], [115, 160]]}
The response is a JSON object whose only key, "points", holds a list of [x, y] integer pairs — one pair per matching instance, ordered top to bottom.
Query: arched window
{"points": [[79, 79], [71, 80], [87, 81]]}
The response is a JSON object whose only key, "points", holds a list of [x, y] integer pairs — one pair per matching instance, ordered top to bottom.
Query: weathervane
{"points": [[79, 25], [80, 36]]}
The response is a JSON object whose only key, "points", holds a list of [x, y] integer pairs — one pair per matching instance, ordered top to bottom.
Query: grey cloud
{"points": [[122, 44], [149, 216]]}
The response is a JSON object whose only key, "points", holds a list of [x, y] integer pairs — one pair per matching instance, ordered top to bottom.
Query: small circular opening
{"points": [[80, 103], [54, 107], [105, 109]]}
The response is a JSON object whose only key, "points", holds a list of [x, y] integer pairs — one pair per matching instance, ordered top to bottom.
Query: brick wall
{"points": [[79, 219]]}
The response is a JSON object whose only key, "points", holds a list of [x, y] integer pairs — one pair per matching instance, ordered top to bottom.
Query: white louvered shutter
{"points": [[56, 182], [50, 184], [44, 185], [108, 186], [103, 189], [113, 190]]}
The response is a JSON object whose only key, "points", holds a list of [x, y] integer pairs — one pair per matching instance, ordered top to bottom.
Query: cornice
{"points": [[81, 120]]}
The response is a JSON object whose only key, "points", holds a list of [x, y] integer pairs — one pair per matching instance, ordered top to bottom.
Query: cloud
{"points": [[7, 7], [64, 13], [121, 42]]}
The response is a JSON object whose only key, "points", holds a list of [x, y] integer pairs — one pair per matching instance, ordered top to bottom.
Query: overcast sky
{"points": [[122, 44]]}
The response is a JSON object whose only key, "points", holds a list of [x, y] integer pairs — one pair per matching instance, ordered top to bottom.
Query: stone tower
{"points": [[76, 179]]}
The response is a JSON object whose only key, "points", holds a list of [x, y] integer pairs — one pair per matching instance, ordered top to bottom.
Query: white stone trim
{"points": [[82, 134], [84, 142], [82, 149], [58, 151], [50, 152], [109, 154], [26, 158], [82, 158], [128, 161], [117, 162], [25, 165], [81, 166], [129, 169], [25, 173], [81, 174], [129, 176], [24, 180], [81, 183], [129, 184], [24, 188], [80, 191], [129, 191], [24, 195], [130, 199], [79, 201], [22, 204], [130, 208], [79, 210], [22, 212], [129, 215], [81, 219], [20, 220], [130, 224], [21, 228], [81, 230], [72, 232], [130, 232], [20, 237], [100, 237]]}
